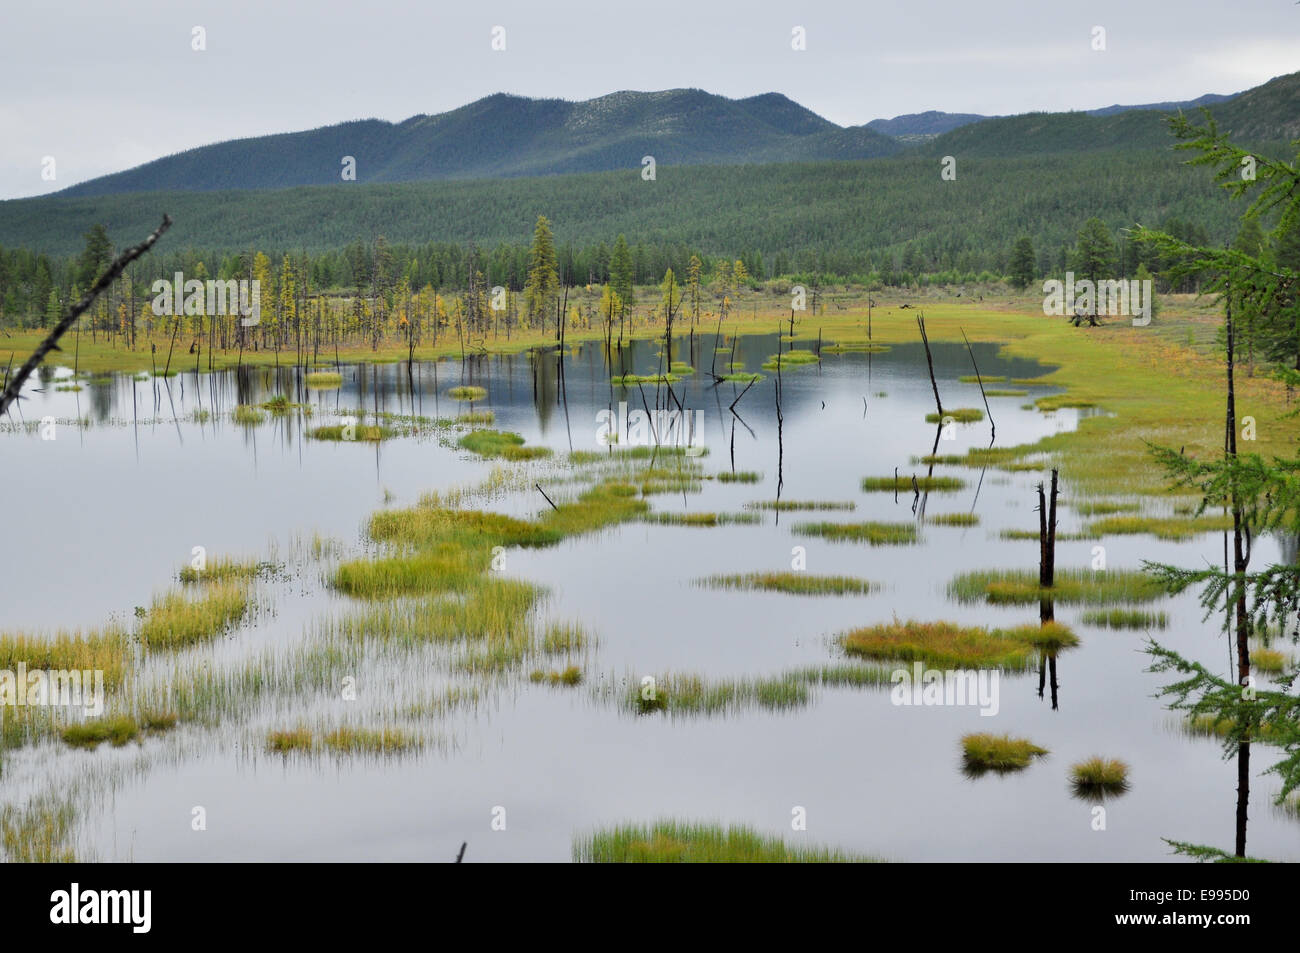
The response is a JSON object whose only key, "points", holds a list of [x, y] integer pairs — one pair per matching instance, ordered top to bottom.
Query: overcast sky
{"points": [[103, 86]]}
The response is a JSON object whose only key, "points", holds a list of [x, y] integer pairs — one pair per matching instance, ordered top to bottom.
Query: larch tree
{"points": [[542, 283]]}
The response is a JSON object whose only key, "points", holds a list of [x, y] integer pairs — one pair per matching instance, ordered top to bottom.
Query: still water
{"points": [[140, 472]]}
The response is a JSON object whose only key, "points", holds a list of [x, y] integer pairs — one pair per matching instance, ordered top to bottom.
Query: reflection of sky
{"points": [[873, 777]]}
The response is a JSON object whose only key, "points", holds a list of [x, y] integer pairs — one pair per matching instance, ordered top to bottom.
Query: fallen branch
{"points": [[51, 343]]}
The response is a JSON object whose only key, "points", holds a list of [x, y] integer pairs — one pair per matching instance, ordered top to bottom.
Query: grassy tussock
{"points": [[855, 347], [789, 360], [975, 379], [323, 380], [467, 392], [1006, 392], [962, 415], [248, 416], [477, 418], [356, 433], [500, 444], [740, 476], [903, 484], [1103, 507], [703, 519], [953, 519], [429, 525], [872, 533], [223, 569], [794, 583], [1072, 587], [1124, 619], [175, 620], [951, 645], [103, 650], [1268, 661], [570, 676], [678, 694], [117, 730], [343, 740], [1002, 753], [1099, 775], [675, 842]]}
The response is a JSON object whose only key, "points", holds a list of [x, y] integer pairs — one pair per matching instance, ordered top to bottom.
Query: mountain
{"points": [[1268, 114], [917, 127], [504, 136]]}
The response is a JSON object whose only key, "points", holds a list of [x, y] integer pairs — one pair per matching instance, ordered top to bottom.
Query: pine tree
{"points": [[1023, 263], [621, 275], [539, 290]]}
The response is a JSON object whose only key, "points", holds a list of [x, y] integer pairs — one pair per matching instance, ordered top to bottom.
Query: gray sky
{"points": [[282, 66]]}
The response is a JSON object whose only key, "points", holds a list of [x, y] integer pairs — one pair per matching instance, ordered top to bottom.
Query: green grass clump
{"points": [[859, 347], [790, 359], [681, 367], [741, 377], [989, 379], [323, 380], [630, 380], [69, 387], [467, 392], [1005, 392], [1059, 401], [280, 405], [962, 415], [248, 416], [477, 419], [359, 433], [502, 444], [739, 476], [903, 484], [605, 504], [783, 506], [703, 519], [953, 519], [427, 526], [1160, 527], [873, 533], [1020, 534], [443, 569], [225, 570], [794, 583], [1072, 586], [1125, 619], [176, 621], [950, 645], [103, 650], [570, 676], [679, 694], [91, 734], [349, 740], [284, 742], [1001, 753], [1099, 776], [675, 842]]}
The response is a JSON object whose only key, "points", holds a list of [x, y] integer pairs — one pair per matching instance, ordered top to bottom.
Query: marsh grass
{"points": [[855, 347], [789, 360], [741, 377], [974, 379], [323, 380], [632, 380], [467, 392], [1005, 392], [962, 415], [248, 416], [477, 418], [355, 433], [503, 444], [739, 476], [903, 484], [783, 506], [1103, 507], [703, 519], [953, 519], [426, 526], [1171, 528], [872, 533], [223, 569], [793, 583], [1072, 587], [1124, 619], [175, 620], [951, 645], [105, 650], [1268, 661], [570, 676], [684, 694], [116, 731], [291, 740], [387, 740], [999, 753], [1099, 776], [39, 831], [677, 842]]}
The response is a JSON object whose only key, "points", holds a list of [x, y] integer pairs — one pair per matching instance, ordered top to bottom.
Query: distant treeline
{"points": [[887, 221]]}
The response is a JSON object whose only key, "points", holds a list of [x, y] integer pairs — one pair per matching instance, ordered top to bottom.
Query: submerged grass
{"points": [[873, 533], [794, 583], [1072, 586], [678, 842]]}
